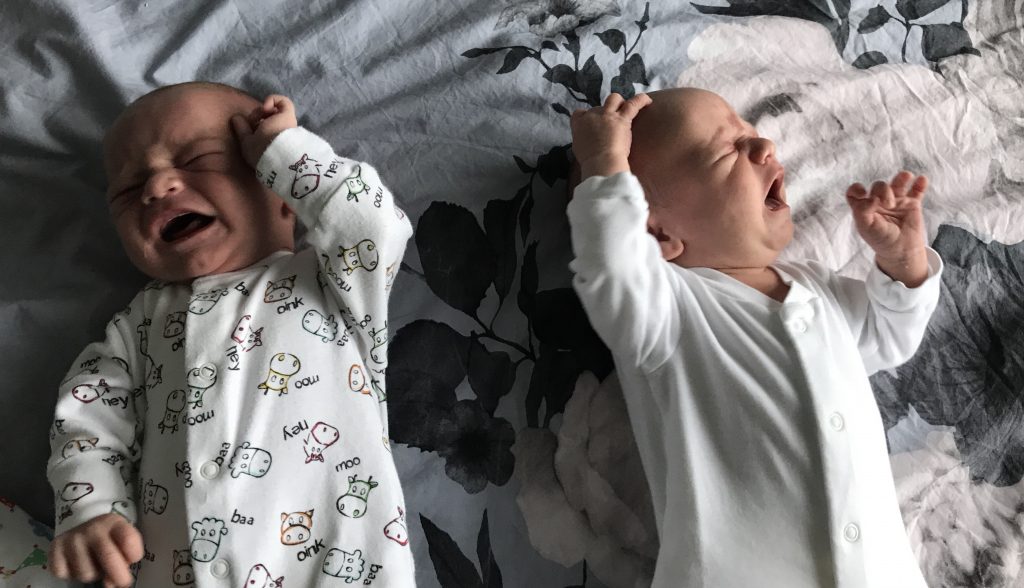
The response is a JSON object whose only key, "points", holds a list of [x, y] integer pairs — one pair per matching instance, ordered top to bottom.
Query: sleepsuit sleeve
{"points": [[355, 226], [626, 287], [887, 319], [94, 440]]}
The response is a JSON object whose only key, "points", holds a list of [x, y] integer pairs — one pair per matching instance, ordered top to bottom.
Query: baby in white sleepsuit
{"points": [[746, 378], [231, 430]]}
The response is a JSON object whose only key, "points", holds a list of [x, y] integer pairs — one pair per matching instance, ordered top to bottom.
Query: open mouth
{"points": [[775, 199], [184, 226]]}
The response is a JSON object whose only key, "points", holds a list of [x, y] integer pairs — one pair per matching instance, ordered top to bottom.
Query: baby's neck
{"points": [[763, 279]]}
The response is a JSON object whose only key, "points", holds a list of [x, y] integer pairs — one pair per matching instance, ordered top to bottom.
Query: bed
{"points": [[505, 413]]}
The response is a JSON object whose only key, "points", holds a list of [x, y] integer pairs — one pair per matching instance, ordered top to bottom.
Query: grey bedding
{"points": [[506, 417]]}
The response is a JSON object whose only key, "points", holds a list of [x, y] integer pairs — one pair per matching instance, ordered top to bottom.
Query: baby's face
{"points": [[711, 180], [183, 201]]}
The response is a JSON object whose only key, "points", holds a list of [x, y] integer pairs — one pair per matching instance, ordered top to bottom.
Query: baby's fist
{"points": [[266, 121], [102, 548]]}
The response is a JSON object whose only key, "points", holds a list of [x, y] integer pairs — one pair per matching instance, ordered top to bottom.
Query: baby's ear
{"points": [[670, 245]]}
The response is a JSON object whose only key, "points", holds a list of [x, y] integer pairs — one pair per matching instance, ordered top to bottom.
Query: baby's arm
{"points": [[890, 221], [354, 224], [623, 282], [888, 313], [92, 442]]}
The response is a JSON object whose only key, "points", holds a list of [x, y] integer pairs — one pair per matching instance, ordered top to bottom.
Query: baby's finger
{"points": [[613, 101], [276, 104], [630, 108], [255, 116], [900, 181], [918, 188], [857, 191], [881, 192], [861, 205], [128, 541], [57, 560], [80, 561], [115, 568]]}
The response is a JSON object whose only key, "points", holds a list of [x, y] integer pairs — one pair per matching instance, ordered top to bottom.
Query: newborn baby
{"points": [[746, 378], [213, 420]]}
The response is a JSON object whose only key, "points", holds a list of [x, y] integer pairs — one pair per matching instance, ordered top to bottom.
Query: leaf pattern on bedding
{"points": [[939, 24], [461, 260], [468, 264], [974, 343], [454, 569]]}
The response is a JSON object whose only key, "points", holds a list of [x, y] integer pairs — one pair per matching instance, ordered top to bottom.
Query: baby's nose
{"points": [[761, 150], [161, 184]]}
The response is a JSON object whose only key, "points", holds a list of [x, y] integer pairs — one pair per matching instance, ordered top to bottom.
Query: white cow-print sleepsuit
{"points": [[240, 420]]}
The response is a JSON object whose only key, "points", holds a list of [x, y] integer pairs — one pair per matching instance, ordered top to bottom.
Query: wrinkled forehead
{"points": [[685, 119], [164, 122]]}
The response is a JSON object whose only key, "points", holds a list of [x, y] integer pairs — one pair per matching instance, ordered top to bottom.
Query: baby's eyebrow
{"points": [[735, 124], [716, 137], [132, 172]]}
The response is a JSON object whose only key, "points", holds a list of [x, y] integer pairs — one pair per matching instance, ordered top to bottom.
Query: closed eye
{"points": [[727, 154], [203, 159]]}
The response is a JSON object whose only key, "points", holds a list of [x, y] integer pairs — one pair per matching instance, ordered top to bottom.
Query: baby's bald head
{"points": [[176, 100], [670, 133], [713, 185]]}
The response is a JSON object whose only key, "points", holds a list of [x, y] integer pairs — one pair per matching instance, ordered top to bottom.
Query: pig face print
{"points": [[296, 527]]}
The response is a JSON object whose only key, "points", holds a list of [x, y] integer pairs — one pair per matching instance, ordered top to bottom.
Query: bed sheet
{"points": [[506, 417]]}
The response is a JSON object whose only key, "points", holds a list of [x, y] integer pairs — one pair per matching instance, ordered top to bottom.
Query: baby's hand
{"points": [[276, 114], [602, 136], [890, 220], [104, 548]]}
